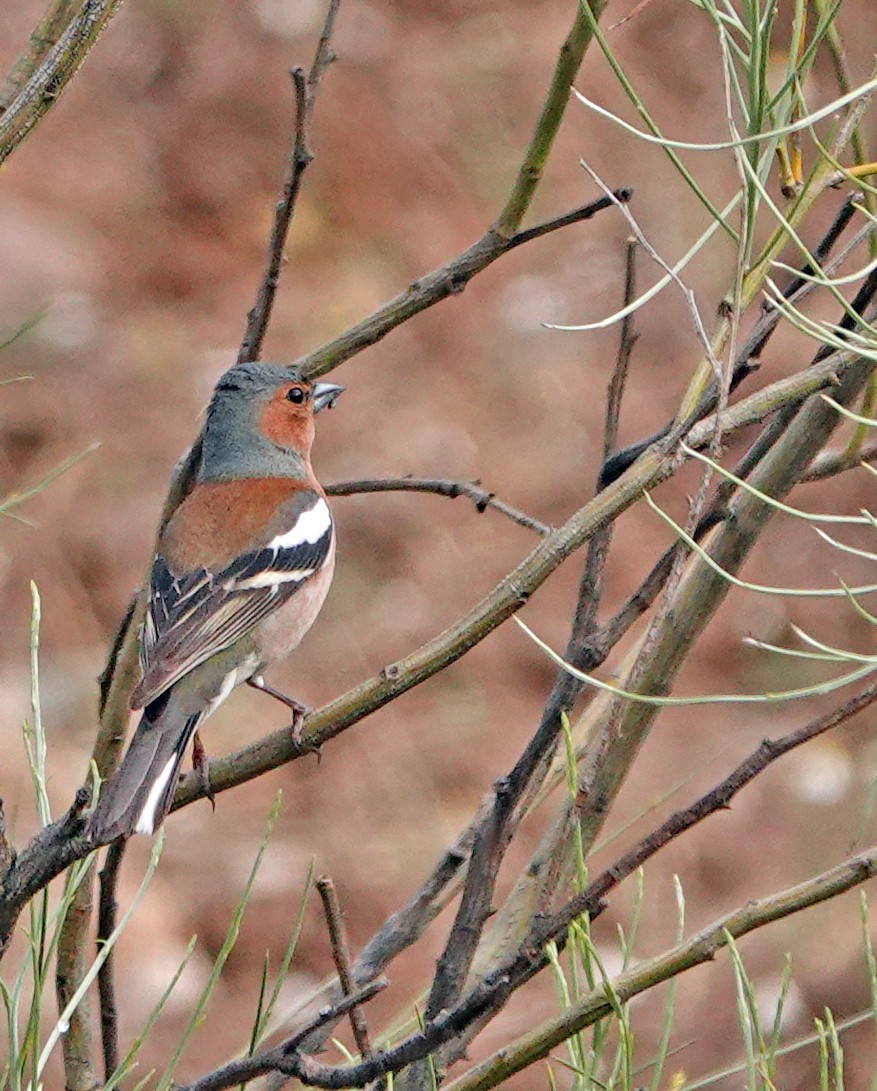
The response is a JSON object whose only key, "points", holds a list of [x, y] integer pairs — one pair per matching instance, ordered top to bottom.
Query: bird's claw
{"points": [[299, 711], [302, 745], [201, 766]]}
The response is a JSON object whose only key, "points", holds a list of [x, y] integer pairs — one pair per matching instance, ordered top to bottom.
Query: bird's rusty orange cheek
{"points": [[287, 425]]}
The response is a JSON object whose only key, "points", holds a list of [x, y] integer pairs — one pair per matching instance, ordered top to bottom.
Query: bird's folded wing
{"points": [[192, 617]]}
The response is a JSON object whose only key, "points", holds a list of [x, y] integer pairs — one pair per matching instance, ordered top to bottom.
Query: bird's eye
{"points": [[296, 395]]}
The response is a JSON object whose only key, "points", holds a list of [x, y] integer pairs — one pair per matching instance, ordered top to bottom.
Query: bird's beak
{"points": [[325, 395]]}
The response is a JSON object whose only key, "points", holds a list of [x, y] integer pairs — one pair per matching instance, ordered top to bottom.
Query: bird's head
{"points": [[259, 409]]}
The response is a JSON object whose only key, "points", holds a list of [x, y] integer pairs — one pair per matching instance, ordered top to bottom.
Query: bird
{"points": [[240, 572]]}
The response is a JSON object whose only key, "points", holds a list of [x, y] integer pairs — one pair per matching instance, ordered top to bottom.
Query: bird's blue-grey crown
{"points": [[253, 380], [233, 444]]}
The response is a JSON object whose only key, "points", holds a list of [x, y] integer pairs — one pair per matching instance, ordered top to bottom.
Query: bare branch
{"points": [[44, 35], [53, 72], [300, 158], [576, 216], [449, 280], [626, 343], [831, 463], [481, 498], [46, 855], [106, 923], [700, 948], [341, 958], [71, 966], [593, 1006], [273, 1060]]}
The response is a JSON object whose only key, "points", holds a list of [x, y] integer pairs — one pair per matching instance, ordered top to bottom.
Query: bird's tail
{"points": [[139, 794]]}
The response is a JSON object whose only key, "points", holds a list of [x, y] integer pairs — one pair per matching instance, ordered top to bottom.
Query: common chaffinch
{"points": [[241, 570]]}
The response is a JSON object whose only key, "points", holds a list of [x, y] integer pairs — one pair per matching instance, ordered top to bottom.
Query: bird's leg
{"points": [[299, 711], [201, 765]]}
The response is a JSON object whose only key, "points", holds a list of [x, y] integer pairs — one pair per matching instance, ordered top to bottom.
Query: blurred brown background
{"points": [[135, 219]]}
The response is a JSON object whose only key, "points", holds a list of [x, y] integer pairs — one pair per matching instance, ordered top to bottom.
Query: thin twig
{"points": [[632, 14], [300, 158], [576, 216], [823, 248], [442, 283], [627, 340], [749, 353], [831, 463], [481, 498], [106, 923], [341, 958], [250, 1068]]}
